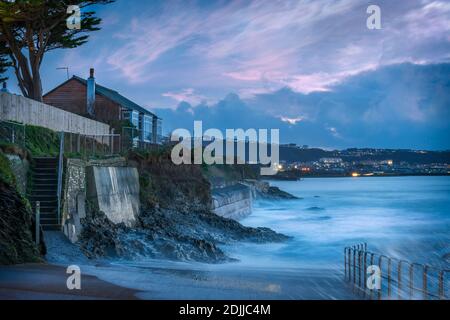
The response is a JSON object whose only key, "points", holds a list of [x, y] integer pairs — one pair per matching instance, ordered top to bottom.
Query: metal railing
{"points": [[12, 132], [132, 138], [89, 146], [418, 282]]}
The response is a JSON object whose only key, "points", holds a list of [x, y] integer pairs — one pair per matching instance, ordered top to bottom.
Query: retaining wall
{"points": [[27, 111], [233, 202]]}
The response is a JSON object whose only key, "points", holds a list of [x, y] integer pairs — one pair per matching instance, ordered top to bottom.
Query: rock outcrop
{"points": [[263, 190], [176, 221], [16, 225]]}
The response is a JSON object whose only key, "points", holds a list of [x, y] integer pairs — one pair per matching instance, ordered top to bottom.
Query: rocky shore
{"points": [[176, 221], [169, 234]]}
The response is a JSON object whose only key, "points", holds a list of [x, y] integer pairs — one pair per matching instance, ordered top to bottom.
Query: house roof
{"points": [[112, 95]]}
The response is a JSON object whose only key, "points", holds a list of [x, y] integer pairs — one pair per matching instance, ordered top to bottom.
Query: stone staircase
{"points": [[44, 189]]}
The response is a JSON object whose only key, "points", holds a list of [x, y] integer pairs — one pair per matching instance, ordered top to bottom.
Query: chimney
{"points": [[4, 88], [90, 93]]}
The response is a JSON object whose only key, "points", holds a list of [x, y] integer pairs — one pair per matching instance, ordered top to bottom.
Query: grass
{"points": [[41, 141], [6, 174]]}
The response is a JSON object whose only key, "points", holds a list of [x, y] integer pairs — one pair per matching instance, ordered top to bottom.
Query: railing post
{"points": [[70, 141], [94, 147], [60, 174], [38, 223], [349, 257], [345, 263], [371, 263], [354, 265], [380, 265], [359, 268], [365, 271], [389, 278], [399, 280], [411, 280], [425, 282], [441, 285]]}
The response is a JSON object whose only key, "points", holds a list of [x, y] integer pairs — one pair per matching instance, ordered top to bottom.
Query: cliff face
{"points": [[165, 185], [175, 222], [16, 238]]}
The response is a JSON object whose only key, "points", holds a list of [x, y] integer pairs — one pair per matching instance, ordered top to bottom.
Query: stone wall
{"points": [[27, 111], [75, 192], [74, 198], [233, 202]]}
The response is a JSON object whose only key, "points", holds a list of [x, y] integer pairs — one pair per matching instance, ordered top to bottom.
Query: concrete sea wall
{"points": [[110, 185], [115, 191], [233, 202]]}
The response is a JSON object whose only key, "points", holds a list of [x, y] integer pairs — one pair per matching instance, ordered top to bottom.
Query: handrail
{"points": [[60, 174], [395, 281]]}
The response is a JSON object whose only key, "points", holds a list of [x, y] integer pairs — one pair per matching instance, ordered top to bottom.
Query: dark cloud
{"points": [[400, 106]]}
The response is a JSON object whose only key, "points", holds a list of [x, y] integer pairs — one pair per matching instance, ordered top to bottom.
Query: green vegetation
{"points": [[41, 141], [231, 172], [6, 174], [166, 185]]}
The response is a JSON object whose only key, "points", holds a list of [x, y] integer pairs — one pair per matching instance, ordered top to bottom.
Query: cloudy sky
{"points": [[310, 68]]}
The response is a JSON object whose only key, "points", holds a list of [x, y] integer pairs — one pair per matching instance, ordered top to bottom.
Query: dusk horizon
{"points": [[312, 69]]}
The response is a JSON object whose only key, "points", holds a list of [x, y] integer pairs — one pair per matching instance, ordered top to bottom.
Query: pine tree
{"points": [[30, 28]]}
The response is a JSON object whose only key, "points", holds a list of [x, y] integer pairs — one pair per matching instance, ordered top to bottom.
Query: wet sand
{"points": [[162, 279], [170, 280], [48, 282]]}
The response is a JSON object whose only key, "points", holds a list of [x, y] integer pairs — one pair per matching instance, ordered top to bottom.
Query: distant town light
{"points": [[355, 174]]}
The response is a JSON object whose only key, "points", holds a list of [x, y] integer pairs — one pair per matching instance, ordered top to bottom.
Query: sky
{"points": [[309, 68]]}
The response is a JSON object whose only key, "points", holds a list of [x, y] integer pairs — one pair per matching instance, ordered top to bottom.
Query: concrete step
{"points": [[45, 160], [45, 163], [44, 175], [45, 181], [45, 184], [41, 185], [48, 187], [38, 193], [43, 197], [45, 206], [46, 211], [52, 215], [51, 220], [51, 227]]}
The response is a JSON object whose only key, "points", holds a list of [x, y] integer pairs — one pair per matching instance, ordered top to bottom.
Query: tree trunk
{"points": [[37, 86]]}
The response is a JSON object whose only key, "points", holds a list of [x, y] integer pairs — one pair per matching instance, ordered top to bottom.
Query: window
{"points": [[135, 119], [147, 129], [159, 131]]}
